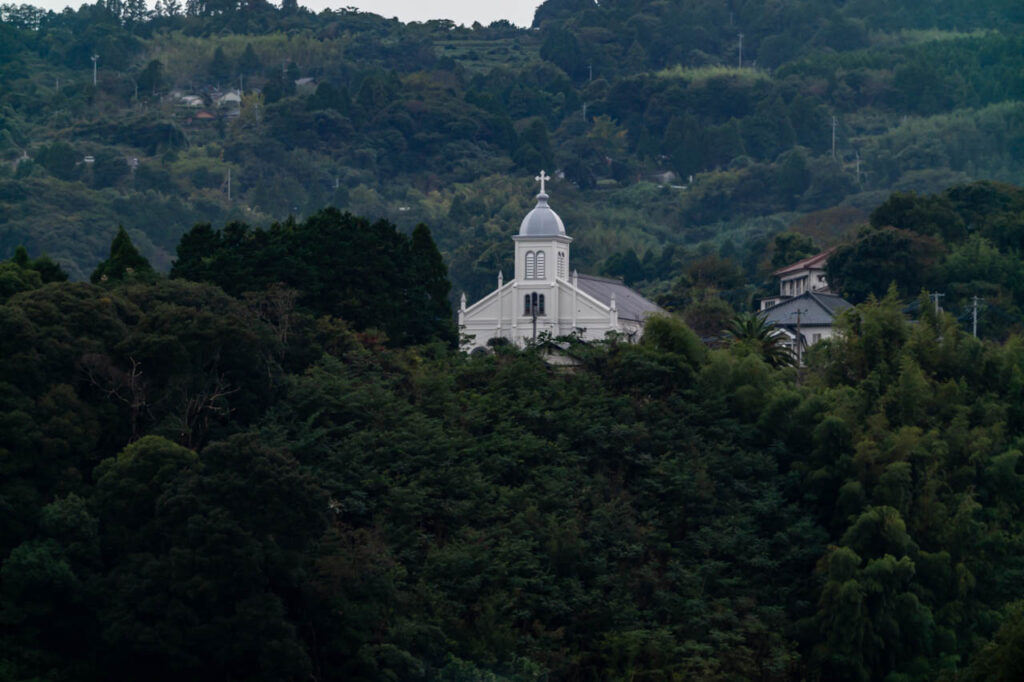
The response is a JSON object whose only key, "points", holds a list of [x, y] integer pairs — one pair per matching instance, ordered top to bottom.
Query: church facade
{"points": [[546, 296]]}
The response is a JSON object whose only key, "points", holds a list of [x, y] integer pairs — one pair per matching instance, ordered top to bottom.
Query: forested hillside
{"points": [[446, 125], [237, 440], [204, 486]]}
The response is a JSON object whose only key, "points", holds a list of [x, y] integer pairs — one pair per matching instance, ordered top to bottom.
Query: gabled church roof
{"points": [[630, 304], [818, 310]]}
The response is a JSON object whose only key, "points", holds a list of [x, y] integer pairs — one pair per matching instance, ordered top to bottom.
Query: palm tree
{"points": [[761, 337]]}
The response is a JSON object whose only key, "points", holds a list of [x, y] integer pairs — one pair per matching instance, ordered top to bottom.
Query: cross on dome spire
{"points": [[542, 178]]}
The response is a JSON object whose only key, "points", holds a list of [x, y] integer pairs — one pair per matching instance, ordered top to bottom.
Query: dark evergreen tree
{"points": [[562, 48], [249, 64], [220, 68], [151, 78], [125, 262], [428, 305]]}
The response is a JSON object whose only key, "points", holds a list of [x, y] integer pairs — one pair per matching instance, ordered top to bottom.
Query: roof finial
{"points": [[542, 178]]}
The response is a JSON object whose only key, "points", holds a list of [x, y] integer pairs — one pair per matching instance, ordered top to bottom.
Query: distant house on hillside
{"points": [[229, 99], [229, 104], [804, 275], [805, 308], [806, 319]]}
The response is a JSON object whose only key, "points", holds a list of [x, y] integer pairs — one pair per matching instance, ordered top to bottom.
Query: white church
{"points": [[544, 297]]}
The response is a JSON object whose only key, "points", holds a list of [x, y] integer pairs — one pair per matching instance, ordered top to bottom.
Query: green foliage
{"points": [[152, 77], [405, 117], [790, 247], [883, 256], [125, 262], [23, 274], [369, 275], [668, 334], [750, 334], [191, 480], [201, 485], [1000, 659]]}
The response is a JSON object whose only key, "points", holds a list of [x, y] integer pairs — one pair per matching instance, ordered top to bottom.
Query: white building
{"points": [[805, 275], [546, 295], [805, 308], [808, 318]]}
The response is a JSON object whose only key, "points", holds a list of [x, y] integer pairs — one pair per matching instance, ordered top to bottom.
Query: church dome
{"points": [[542, 221]]}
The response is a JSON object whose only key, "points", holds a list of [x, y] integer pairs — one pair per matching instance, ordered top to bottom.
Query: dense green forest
{"points": [[442, 124], [237, 440], [205, 485]]}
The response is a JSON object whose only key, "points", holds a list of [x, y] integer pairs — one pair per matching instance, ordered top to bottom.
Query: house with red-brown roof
{"points": [[807, 275], [805, 309]]}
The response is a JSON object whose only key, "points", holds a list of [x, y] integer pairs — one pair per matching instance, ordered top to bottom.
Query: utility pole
{"points": [[741, 49], [95, 58], [590, 68], [584, 112], [835, 122], [858, 167], [229, 183], [935, 299], [533, 314], [974, 317], [799, 337]]}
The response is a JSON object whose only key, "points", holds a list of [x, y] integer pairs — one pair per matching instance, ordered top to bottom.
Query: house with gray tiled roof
{"points": [[805, 309], [808, 317]]}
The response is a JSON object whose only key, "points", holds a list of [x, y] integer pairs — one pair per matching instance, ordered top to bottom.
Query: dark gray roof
{"points": [[542, 221], [631, 305], [818, 309]]}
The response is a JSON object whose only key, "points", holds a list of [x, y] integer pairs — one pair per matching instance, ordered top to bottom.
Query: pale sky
{"points": [[519, 12]]}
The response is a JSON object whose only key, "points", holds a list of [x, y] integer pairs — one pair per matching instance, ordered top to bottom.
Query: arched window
{"points": [[529, 265], [561, 265], [539, 274], [533, 302]]}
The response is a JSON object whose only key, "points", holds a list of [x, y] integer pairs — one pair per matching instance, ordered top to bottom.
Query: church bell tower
{"points": [[542, 246]]}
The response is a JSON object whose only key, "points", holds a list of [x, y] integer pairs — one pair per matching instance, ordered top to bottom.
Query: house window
{"points": [[529, 264], [561, 265], [539, 273], [526, 304], [540, 304], [815, 338]]}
